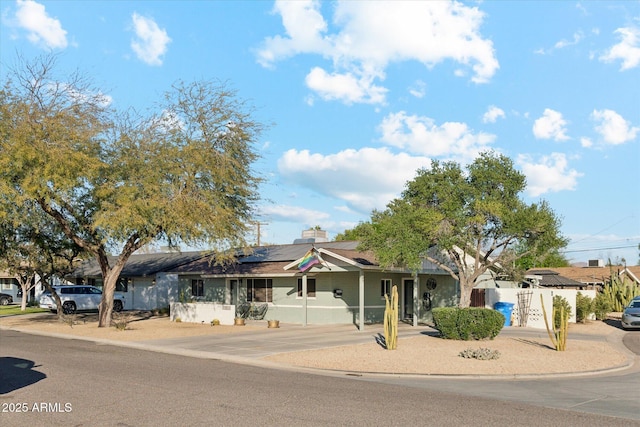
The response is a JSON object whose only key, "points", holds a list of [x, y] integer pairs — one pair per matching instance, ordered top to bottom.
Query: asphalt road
{"points": [[53, 381]]}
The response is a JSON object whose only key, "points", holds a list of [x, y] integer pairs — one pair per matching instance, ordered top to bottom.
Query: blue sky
{"points": [[362, 94]]}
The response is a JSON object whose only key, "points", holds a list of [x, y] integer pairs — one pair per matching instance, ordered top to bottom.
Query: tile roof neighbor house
{"points": [[598, 275], [343, 284]]}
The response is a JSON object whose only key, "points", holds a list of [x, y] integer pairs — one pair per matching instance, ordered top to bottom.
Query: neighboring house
{"points": [[633, 273], [598, 274], [548, 278], [145, 279], [9, 285], [345, 286]]}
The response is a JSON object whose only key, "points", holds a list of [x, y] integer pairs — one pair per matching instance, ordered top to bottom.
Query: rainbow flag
{"points": [[311, 258]]}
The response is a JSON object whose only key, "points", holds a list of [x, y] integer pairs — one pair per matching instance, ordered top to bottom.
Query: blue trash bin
{"points": [[505, 308]]}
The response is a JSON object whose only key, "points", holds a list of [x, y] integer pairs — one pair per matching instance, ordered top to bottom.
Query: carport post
{"points": [[304, 299], [416, 301], [361, 302]]}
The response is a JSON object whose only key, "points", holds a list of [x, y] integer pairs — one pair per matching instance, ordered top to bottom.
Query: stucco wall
{"points": [[142, 294], [531, 308], [202, 312]]}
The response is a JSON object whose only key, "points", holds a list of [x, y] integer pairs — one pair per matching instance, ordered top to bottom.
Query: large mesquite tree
{"points": [[114, 180], [464, 222]]}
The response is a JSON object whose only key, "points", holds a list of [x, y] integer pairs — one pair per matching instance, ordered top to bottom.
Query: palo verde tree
{"points": [[114, 181], [465, 223]]}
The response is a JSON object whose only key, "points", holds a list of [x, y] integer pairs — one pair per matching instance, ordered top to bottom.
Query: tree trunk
{"points": [[110, 276], [26, 284], [465, 293], [25, 296], [105, 309]]}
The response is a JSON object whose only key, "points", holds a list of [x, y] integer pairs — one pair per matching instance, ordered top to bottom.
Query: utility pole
{"points": [[258, 224]]}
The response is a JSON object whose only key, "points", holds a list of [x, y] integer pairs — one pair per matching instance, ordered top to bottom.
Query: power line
{"points": [[606, 228], [600, 249]]}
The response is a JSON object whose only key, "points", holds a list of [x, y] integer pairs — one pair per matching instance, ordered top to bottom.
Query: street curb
{"points": [[330, 372]]}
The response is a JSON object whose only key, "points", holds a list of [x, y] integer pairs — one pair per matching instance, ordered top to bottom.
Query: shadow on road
{"points": [[17, 373]]}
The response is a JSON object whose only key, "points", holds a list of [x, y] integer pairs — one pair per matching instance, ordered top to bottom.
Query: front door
{"points": [[233, 291], [407, 300]]}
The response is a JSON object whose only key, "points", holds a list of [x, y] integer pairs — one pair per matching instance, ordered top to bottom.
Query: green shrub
{"points": [[558, 303], [602, 306], [584, 307], [445, 320], [469, 323]]}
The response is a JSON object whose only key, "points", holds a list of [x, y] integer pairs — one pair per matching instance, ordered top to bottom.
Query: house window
{"points": [[8, 283], [122, 285], [385, 287], [197, 288], [311, 288], [259, 290]]}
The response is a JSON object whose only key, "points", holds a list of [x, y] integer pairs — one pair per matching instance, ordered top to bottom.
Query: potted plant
{"points": [[238, 321], [273, 323]]}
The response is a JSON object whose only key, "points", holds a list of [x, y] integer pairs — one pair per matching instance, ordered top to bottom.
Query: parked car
{"points": [[78, 298], [5, 299], [631, 315]]}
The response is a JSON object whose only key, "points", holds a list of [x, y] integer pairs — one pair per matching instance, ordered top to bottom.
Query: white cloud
{"points": [[304, 26], [42, 29], [371, 35], [577, 37], [150, 42], [561, 44], [628, 50], [345, 87], [419, 89], [97, 98], [492, 114], [169, 121], [550, 126], [613, 127], [421, 135], [586, 142], [549, 174], [364, 179], [293, 213]]}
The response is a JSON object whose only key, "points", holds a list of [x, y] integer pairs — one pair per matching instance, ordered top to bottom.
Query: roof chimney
{"points": [[313, 235]]}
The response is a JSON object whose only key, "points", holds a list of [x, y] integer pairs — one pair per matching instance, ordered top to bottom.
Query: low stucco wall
{"points": [[531, 307], [203, 312]]}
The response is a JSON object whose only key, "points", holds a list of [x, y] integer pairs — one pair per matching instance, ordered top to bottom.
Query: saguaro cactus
{"points": [[391, 319]]}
